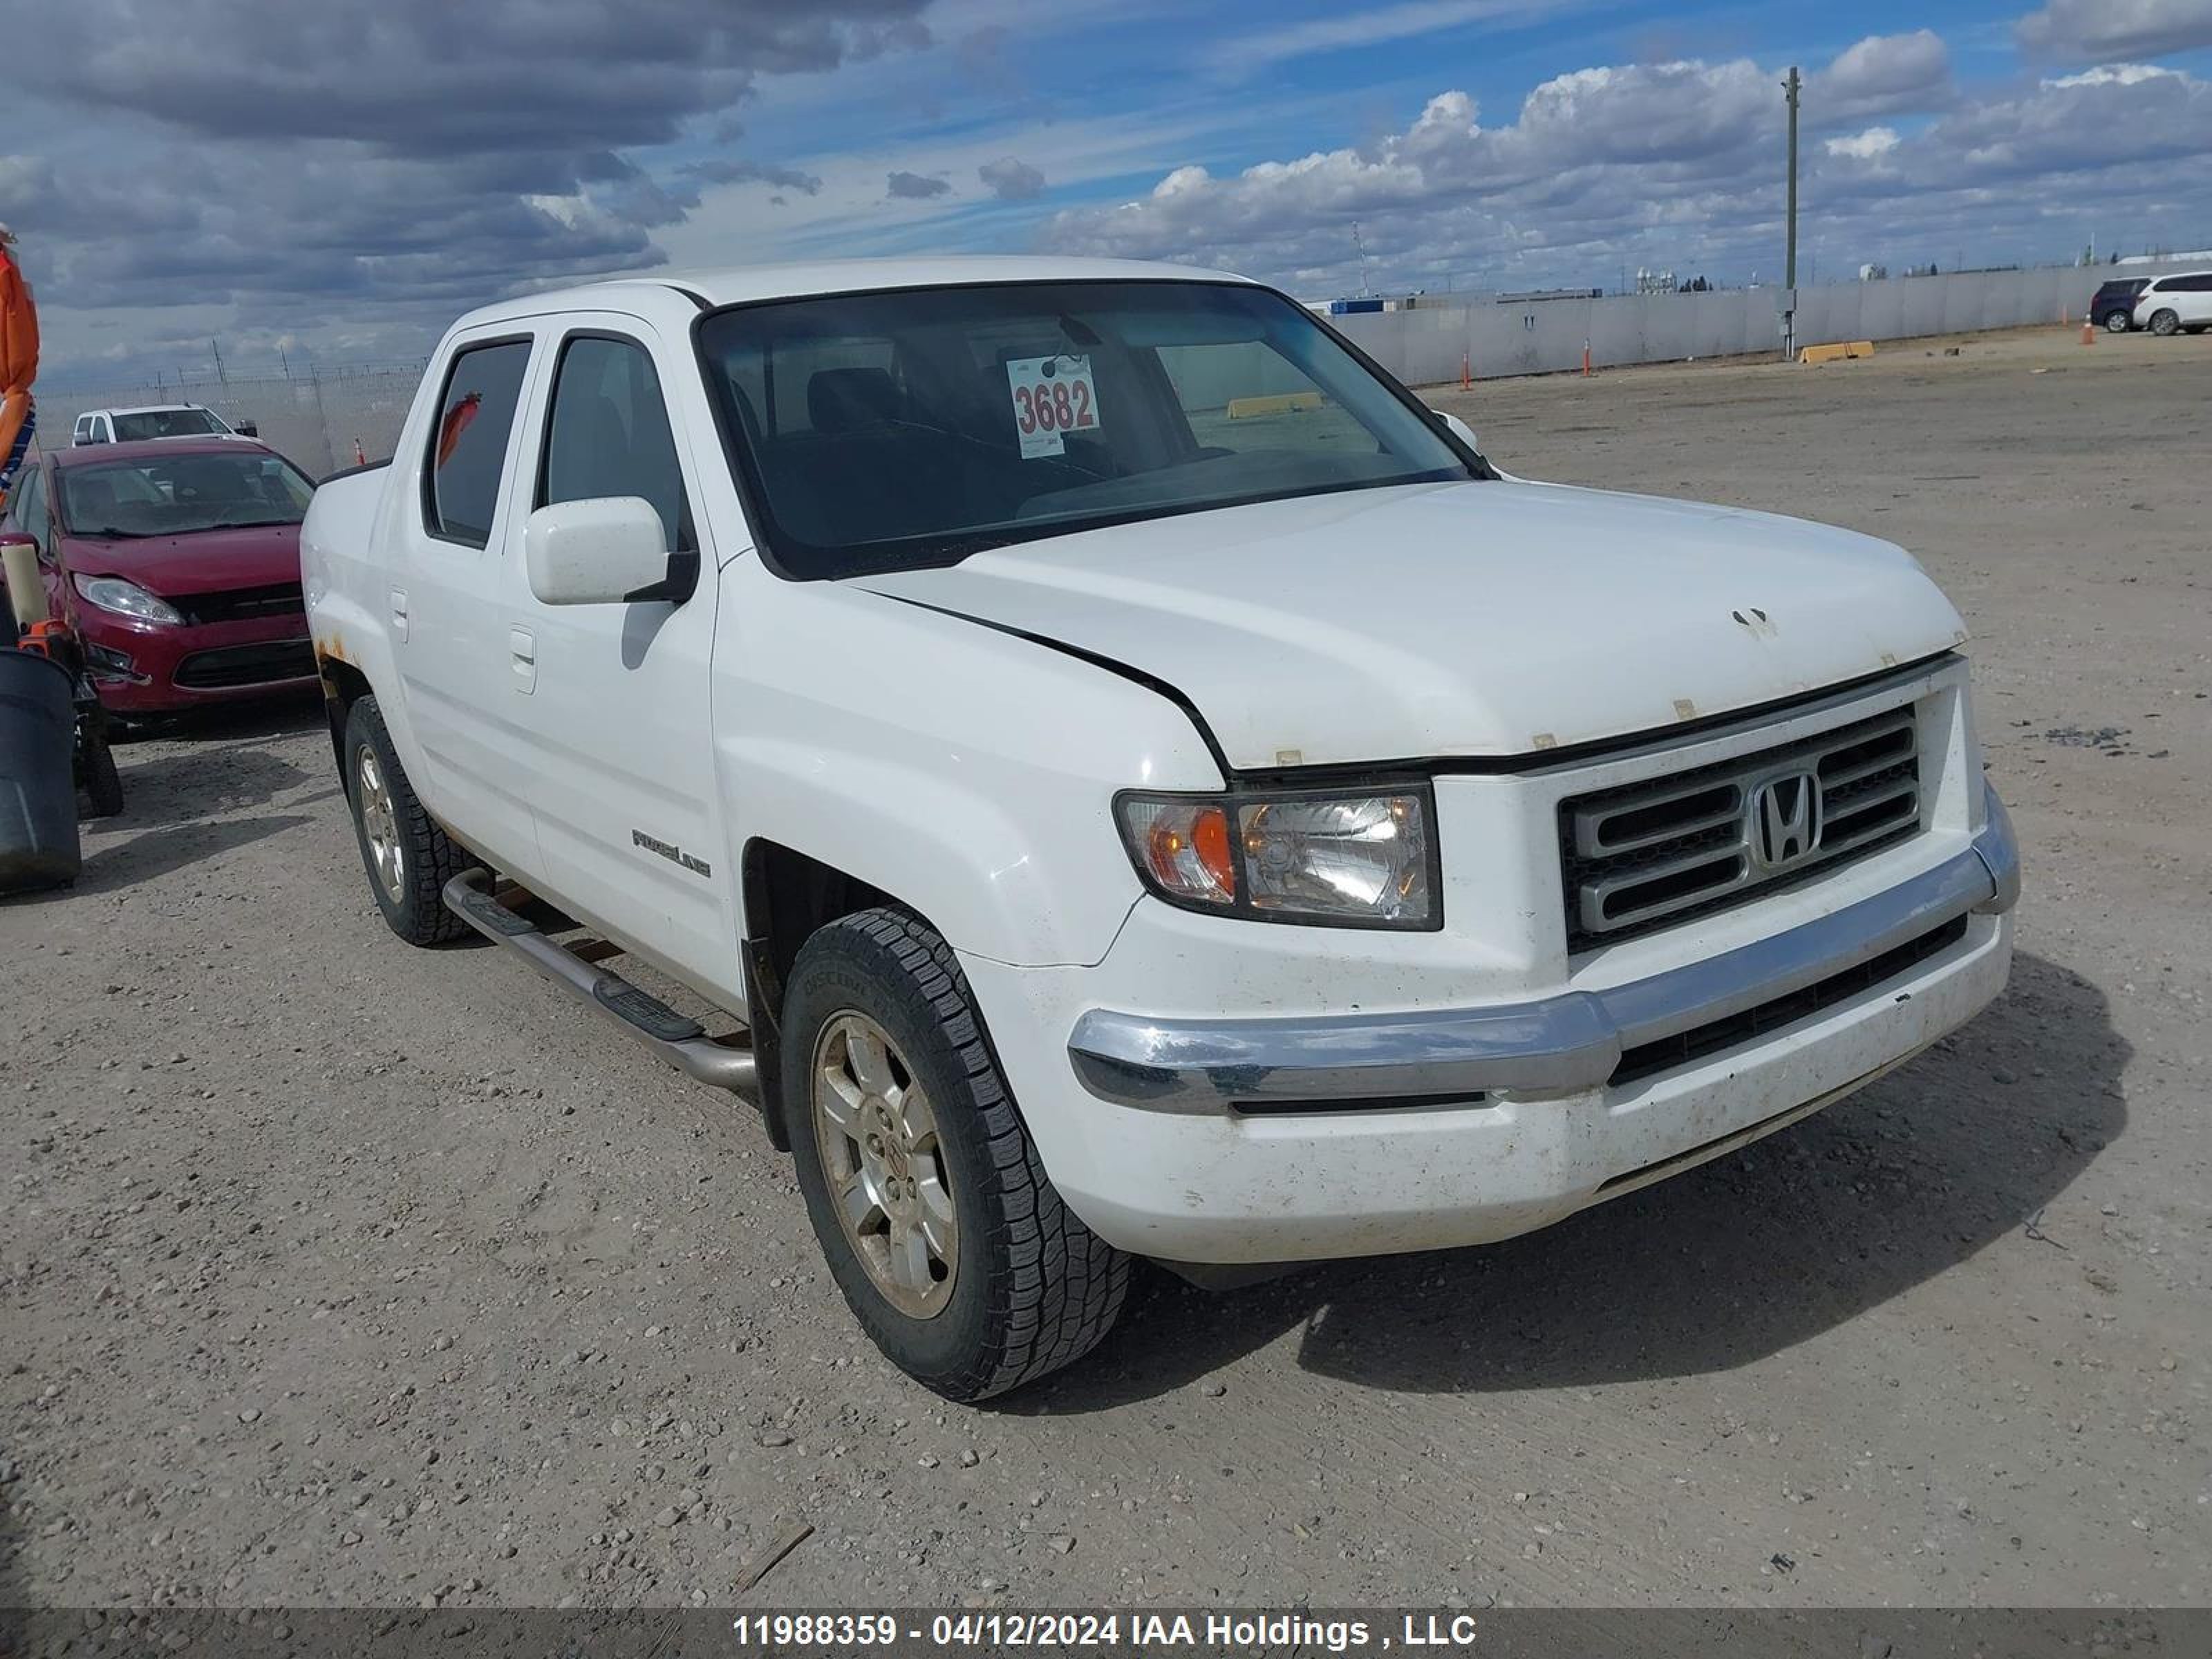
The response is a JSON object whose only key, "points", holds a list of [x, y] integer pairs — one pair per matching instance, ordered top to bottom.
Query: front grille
{"points": [[242, 604], [247, 664], [1646, 855], [1649, 1059]]}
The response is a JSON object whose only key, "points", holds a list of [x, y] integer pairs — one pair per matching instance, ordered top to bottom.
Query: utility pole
{"points": [[1791, 89], [217, 349]]}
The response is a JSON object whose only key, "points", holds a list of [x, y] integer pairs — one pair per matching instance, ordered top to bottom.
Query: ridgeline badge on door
{"points": [[1053, 397], [671, 852]]}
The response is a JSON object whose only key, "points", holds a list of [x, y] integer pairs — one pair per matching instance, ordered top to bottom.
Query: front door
{"points": [[613, 699]]}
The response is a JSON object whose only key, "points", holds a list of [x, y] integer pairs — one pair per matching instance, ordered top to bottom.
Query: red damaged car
{"points": [[177, 562]]}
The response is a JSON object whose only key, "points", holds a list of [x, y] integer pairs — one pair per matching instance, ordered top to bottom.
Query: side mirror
{"points": [[246, 428], [1458, 429], [610, 550]]}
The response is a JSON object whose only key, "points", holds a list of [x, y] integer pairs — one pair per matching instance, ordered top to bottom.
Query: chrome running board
{"points": [[719, 1062]]}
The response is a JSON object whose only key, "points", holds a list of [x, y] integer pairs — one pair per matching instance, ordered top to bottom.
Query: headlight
{"points": [[124, 599], [1359, 858]]}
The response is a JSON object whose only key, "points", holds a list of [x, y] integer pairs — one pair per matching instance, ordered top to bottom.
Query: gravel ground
{"points": [[337, 1273]]}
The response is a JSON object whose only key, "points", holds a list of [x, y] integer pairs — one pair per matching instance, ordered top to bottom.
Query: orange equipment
{"points": [[19, 363]]}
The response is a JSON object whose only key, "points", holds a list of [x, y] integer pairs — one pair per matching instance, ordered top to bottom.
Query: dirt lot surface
{"points": [[339, 1273]]}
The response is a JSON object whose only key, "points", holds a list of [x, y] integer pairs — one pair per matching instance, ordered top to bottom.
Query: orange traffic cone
{"points": [[2088, 332], [359, 455]]}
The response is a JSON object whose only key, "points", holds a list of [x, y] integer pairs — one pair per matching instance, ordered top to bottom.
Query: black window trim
{"points": [[741, 470], [426, 491], [687, 531]]}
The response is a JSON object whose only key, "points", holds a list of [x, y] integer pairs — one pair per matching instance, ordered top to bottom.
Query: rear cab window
{"points": [[464, 461]]}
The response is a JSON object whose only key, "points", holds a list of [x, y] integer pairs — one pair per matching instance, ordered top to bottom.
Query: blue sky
{"points": [[342, 184]]}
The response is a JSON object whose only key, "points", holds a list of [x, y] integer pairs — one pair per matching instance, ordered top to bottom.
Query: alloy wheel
{"points": [[875, 1131]]}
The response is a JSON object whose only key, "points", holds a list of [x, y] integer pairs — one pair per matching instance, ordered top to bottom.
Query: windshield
{"points": [[168, 423], [887, 431], [177, 494]]}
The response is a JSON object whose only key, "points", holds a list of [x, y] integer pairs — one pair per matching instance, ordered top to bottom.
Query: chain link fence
{"points": [[324, 420]]}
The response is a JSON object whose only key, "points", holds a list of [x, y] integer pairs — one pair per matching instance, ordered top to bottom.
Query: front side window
{"points": [[169, 423], [893, 430], [607, 432], [467, 456], [182, 495]]}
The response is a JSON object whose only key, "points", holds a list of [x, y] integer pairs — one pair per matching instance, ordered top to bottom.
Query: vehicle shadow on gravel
{"points": [[188, 786], [160, 850], [1720, 1267]]}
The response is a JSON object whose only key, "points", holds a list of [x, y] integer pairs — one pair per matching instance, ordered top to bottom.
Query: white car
{"points": [[2171, 304], [124, 426], [1130, 780]]}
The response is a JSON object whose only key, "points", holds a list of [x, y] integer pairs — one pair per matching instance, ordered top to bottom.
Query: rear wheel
{"points": [[2116, 322], [2165, 322], [408, 857], [939, 1224]]}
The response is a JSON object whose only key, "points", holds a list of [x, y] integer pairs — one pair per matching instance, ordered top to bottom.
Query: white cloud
{"points": [[1357, 26], [2091, 31], [1882, 75], [2112, 75], [1865, 146], [1678, 165], [1011, 179]]}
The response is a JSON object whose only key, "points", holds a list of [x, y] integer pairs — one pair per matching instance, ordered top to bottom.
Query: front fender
{"points": [[967, 772]]}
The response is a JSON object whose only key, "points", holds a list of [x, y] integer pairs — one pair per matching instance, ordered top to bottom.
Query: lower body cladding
{"points": [[1227, 1141]]}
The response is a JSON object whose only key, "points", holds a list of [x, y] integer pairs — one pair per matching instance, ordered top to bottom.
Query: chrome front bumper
{"points": [[1557, 1044]]}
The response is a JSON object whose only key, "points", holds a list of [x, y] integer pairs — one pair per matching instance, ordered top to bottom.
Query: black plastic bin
{"points": [[38, 774]]}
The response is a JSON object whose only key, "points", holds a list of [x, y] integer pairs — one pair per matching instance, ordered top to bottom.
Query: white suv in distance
{"points": [[2176, 304], [125, 426]]}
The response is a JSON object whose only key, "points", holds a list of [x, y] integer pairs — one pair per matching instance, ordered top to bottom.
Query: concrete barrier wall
{"points": [[1425, 346], [317, 420]]}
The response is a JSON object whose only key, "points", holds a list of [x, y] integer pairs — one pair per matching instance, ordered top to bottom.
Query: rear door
{"points": [[2192, 298], [446, 599], [612, 701]]}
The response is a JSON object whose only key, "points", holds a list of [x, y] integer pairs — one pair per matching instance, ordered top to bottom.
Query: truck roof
{"points": [[725, 285]]}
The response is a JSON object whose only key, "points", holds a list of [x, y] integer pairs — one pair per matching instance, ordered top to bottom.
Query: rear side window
{"points": [[607, 432], [468, 446]]}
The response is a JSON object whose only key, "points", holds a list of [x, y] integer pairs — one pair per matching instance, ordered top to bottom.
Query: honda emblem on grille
{"points": [[1784, 824]]}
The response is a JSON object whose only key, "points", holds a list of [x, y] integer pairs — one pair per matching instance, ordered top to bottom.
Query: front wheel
{"points": [[2116, 322], [2165, 322], [408, 857], [940, 1224]]}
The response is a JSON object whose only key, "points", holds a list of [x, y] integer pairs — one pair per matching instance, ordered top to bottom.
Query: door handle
{"points": [[399, 611], [522, 659]]}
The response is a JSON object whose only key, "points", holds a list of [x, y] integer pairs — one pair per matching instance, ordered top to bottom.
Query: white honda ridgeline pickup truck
{"points": [[1129, 779]]}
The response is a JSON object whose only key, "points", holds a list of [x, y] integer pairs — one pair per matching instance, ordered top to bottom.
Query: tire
{"points": [[2116, 322], [2165, 323], [103, 784], [407, 857], [1020, 1287]]}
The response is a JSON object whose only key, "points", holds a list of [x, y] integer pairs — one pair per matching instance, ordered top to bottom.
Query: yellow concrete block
{"points": [[1836, 352], [1282, 403]]}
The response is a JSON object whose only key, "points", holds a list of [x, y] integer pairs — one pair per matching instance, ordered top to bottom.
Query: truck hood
{"points": [[205, 562], [1477, 618]]}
